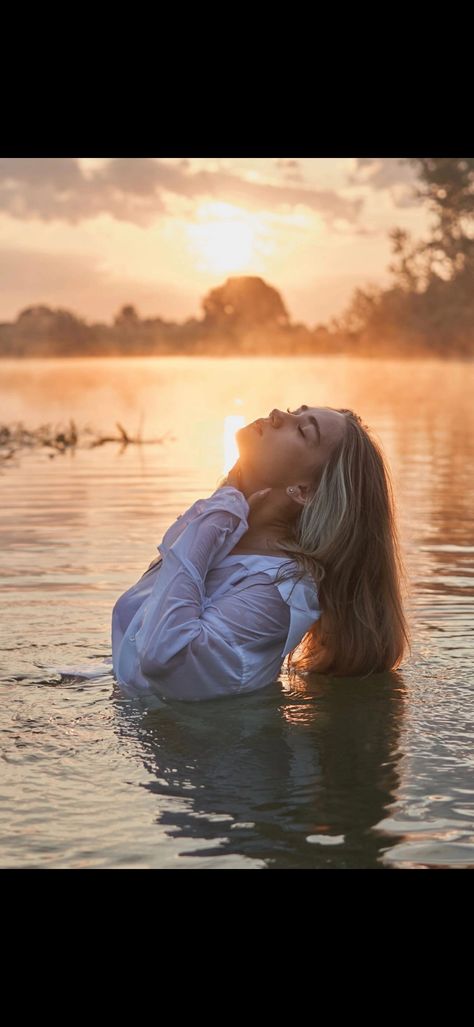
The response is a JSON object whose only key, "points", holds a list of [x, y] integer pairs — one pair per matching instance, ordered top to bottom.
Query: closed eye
{"points": [[313, 422], [299, 426]]}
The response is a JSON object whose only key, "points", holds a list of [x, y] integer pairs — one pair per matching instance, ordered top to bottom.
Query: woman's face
{"points": [[290, 447]]}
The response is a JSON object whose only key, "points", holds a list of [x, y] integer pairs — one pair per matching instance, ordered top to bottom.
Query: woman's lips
{"points": [[258, 427]]}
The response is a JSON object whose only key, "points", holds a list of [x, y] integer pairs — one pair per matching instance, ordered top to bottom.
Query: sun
{"points": [[224, 243]]}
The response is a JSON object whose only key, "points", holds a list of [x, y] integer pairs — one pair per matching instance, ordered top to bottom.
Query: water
{"points": [[320, 774]]}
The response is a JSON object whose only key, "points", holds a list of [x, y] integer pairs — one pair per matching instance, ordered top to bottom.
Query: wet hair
{"points": [[346, 541]]}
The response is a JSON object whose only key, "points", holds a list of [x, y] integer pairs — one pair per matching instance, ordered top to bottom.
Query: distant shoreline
{"points": [[450, 356]]}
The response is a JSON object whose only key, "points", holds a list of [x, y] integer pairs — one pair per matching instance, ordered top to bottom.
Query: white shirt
{"points": [[205, 623]]}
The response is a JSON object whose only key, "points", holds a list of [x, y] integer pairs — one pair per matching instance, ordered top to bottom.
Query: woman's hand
{"points": [[234, 478], [256, 500]]}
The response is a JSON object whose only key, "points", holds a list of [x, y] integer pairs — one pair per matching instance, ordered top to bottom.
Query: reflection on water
{"points": [[322, 773]]}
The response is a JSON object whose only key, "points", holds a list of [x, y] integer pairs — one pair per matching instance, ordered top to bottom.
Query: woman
{"points": [[310, 497]]}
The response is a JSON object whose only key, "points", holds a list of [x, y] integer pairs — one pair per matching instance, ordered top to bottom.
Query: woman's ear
{"points": [[298, 493]]}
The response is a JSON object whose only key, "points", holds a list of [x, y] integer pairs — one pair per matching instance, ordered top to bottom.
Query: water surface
{"points": [[322, 773]]}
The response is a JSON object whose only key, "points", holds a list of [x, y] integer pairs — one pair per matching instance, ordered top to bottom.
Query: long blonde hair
{"points": [[346, 541]]}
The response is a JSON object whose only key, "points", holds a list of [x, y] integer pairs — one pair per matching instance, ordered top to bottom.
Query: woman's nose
{"points": [[276, 417]]}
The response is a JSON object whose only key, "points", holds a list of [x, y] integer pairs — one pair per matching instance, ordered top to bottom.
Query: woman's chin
{"points": [[247, 431]]}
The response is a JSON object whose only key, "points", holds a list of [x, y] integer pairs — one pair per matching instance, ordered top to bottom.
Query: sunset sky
{"points": [[90, 234]]}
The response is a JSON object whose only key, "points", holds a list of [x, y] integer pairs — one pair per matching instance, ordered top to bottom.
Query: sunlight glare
{"points": [[225, 243], [232, 423]]}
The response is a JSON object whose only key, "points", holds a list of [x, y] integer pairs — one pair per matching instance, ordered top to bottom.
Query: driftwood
{"points": [[15, 437], [127, 439]]}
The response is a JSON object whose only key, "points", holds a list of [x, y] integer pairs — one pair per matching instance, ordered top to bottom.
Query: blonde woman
{"points": [[296, 551]]}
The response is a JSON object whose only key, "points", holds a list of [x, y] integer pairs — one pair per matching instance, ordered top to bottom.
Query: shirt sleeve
{"points": [[175, 529], [186, 654]]}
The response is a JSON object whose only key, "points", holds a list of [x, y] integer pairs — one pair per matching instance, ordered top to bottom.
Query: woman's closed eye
{"points": [[299, 426]]}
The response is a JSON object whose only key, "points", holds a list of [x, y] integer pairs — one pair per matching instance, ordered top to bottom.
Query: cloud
{"points": [[291, 168], [389, 173], [134, 189], [79, 284]]}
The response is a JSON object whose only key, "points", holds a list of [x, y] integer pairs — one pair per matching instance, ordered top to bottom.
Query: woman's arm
{"points": [[175, 529], [170, 618], [188, 645], [238, 648]]}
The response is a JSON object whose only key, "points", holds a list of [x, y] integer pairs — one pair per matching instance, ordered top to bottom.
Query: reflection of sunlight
{"points": [[232, 423]]}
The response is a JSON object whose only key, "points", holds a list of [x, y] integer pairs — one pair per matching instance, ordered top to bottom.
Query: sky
{"points": [[92, 234]]}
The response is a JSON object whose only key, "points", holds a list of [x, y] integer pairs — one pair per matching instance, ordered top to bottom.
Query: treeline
{"points": [[256, 322]]}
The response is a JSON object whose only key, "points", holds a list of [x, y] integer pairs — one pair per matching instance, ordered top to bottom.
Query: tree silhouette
{"points": [[447, 186], [244, 302], [431, 303], [127, 317], [62, 328]]}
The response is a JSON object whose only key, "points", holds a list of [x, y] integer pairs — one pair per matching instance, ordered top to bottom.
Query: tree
{"points": [[447, 187], [242, 303], [431, 303], [127, 317]]}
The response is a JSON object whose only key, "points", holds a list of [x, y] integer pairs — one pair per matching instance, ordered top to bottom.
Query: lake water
{"points": [[325, 773]]}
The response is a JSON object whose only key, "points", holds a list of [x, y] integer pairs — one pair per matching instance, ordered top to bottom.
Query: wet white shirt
{"points": [[204, 623]]}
